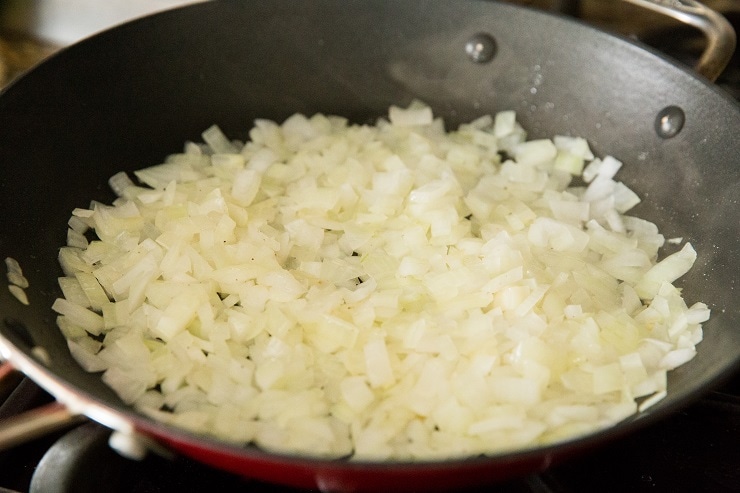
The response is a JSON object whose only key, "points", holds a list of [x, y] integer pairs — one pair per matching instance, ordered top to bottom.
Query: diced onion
{"points": [[17, 281], [387, 292], [19, 293]]}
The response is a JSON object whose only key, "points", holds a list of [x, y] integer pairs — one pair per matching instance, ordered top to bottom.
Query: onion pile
{"points": [[386, 292]]}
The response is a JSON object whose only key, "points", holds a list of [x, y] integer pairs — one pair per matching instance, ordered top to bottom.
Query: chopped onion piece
{"points": [[414, 115], [215, 138], [667, 270], [19, 293]]}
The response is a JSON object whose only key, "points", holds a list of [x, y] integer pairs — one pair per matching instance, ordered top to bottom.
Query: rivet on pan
{"points": [[481, 48], [669, 122]]}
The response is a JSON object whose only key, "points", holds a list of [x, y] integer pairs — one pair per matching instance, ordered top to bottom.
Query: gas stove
{"points": [[694, 450]]}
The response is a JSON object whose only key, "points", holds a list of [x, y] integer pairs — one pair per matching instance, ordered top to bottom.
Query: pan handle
{"points": [[721, 38], [65, 413], [34, 423]]}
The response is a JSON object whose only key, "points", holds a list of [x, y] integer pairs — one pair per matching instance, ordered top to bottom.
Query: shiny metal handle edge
{"points": [[721, 37], [34, 423]]}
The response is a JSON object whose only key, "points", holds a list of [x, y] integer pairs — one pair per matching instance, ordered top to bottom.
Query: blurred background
{"points": [[30, 30]]}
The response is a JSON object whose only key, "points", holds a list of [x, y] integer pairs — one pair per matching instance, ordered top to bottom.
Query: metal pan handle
{"points": [[721, 38], [34, 423]]}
